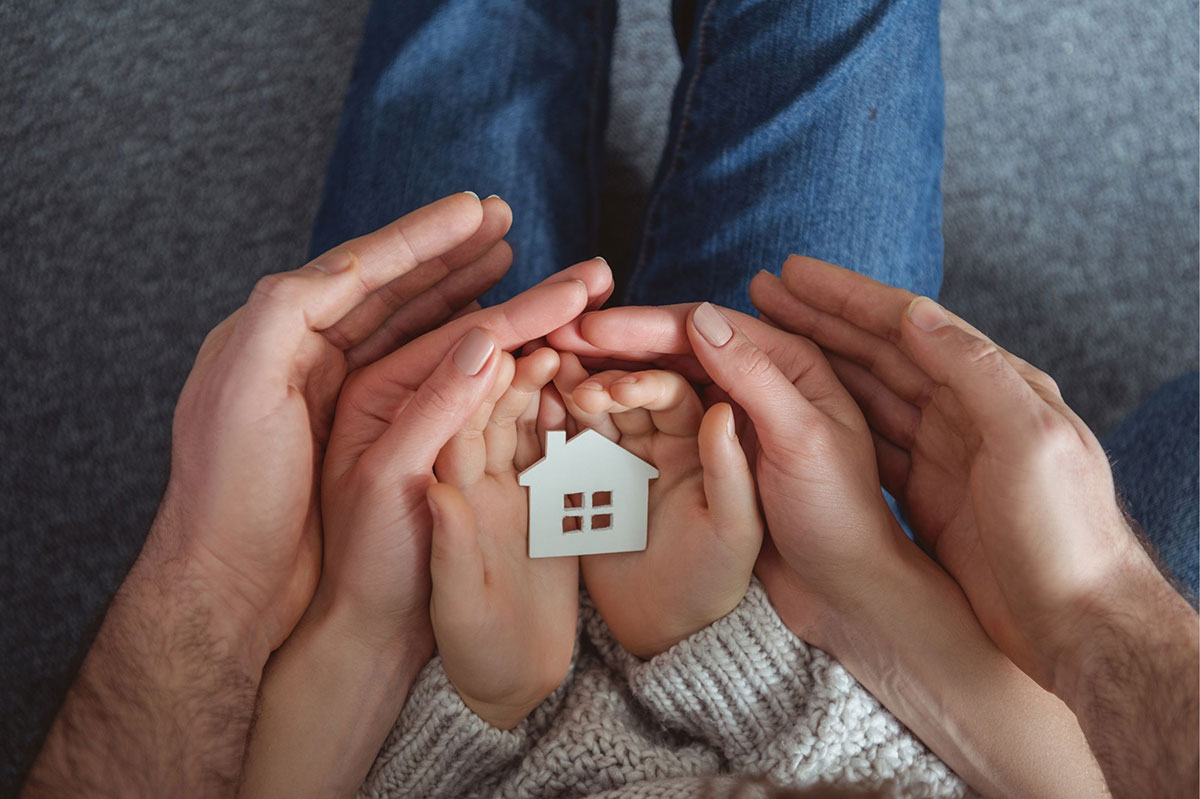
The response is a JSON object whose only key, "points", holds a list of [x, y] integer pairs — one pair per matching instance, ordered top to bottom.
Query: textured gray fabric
{"points": [[157, 157], [1070, 189], [742, 696]]}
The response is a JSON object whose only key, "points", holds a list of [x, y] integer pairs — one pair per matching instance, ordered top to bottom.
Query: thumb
{"points": [[749, 376], [993, 394], [441, 405], [728, 484], [455, 560]]}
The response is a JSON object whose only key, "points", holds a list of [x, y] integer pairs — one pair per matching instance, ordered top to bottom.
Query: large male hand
{"points": [[254, 417], [999, 478], [1014, 495], [162, 703]]}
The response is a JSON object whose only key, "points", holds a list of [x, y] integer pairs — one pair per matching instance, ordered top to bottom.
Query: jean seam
{"points": [[599, 67], [679, 144]]}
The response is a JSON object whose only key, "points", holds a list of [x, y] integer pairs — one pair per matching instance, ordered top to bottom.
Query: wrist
{"points": [[183, 594], [1136, 608], [392, 649]]}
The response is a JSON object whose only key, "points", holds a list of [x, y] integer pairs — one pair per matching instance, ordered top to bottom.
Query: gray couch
{"points": [[157, 157]]}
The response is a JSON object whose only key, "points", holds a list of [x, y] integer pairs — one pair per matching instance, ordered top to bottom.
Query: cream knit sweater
{"points": [[742, 698]]}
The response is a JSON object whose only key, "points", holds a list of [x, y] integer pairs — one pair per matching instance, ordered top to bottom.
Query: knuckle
{"points": [[278, 288], [982, 353], [754, 364], [437, 400], [1055, 443]]}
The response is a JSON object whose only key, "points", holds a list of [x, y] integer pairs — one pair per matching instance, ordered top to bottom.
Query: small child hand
{"points": [[704, 528], [504, 623]]}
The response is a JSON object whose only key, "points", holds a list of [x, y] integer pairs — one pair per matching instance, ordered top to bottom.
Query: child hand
{"points": [[704, 528], [504, 623]]}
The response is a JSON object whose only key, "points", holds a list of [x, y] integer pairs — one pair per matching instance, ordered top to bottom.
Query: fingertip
{"points": [[926, 315], [474, 352]]}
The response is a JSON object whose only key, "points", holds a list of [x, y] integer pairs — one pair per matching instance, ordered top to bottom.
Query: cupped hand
{"points": [[393, 418], [253, 419], [811, 449], [998, 477], [704, 530], [504, 622]]}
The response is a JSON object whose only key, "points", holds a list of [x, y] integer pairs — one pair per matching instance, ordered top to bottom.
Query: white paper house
{"points": [[587, 496]]}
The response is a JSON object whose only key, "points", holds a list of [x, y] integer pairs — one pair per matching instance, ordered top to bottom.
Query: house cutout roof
{"points": [[588, 454], [587, 496]]}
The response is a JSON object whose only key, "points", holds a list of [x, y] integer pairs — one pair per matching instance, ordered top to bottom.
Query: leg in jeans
{"points": [[494, 96], [798, 127], [1157, 471]]}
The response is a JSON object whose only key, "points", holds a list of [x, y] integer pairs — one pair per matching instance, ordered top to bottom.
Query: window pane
{"points": [[601, 499], [573, 500], [602, 521], [572, 524]]}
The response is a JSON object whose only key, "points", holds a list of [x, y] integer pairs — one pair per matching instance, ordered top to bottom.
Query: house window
{"points": [[579, 514]]}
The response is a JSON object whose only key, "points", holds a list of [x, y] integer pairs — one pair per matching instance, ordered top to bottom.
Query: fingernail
{"points": [[473, 194], [493, 197], [600, 258], [333, 262], [927, 314], [712, 325], [474, 352], [626, 379], [590, 385], [730, 430], [434, 513]]}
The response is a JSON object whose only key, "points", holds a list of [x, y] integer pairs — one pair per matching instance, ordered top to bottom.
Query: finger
{"points": [[470, 255], [433, 306], [873, 306], [285, 307], [469, 308], [878, 309], [527, 316], [879, 355], [570, 374], [592, 395], [772, 402], [999, 402], [441, 405], [674, 405], [552, 413], [886, 413], [501, 434], [463, 460], [894, 464], [728, 484], [455, 561]]}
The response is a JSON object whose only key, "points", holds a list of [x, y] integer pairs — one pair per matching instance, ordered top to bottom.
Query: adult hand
{"points": [[254, 415], [393, 418], [808, 444], [999, 478], [1014, 495], [838, 569], [337, 685], [164, 698]]}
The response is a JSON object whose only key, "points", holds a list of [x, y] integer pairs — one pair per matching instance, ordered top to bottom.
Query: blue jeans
{"points": [[796, 127], [811, 128], [1157, 470]]}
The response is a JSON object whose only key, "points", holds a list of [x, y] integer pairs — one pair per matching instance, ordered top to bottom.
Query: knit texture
{"points": [[742, 700]]}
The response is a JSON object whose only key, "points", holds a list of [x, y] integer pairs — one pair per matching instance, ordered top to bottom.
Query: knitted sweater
{"points": [[742, 698]]}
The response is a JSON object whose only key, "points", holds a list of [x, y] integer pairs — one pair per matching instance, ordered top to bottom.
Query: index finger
{"points": [[529, 315]]}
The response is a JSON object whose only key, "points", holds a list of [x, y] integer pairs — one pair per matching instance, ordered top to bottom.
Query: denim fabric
{"points": [[494, 96], [796, 127], [811, 128], [1157, 470]]}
